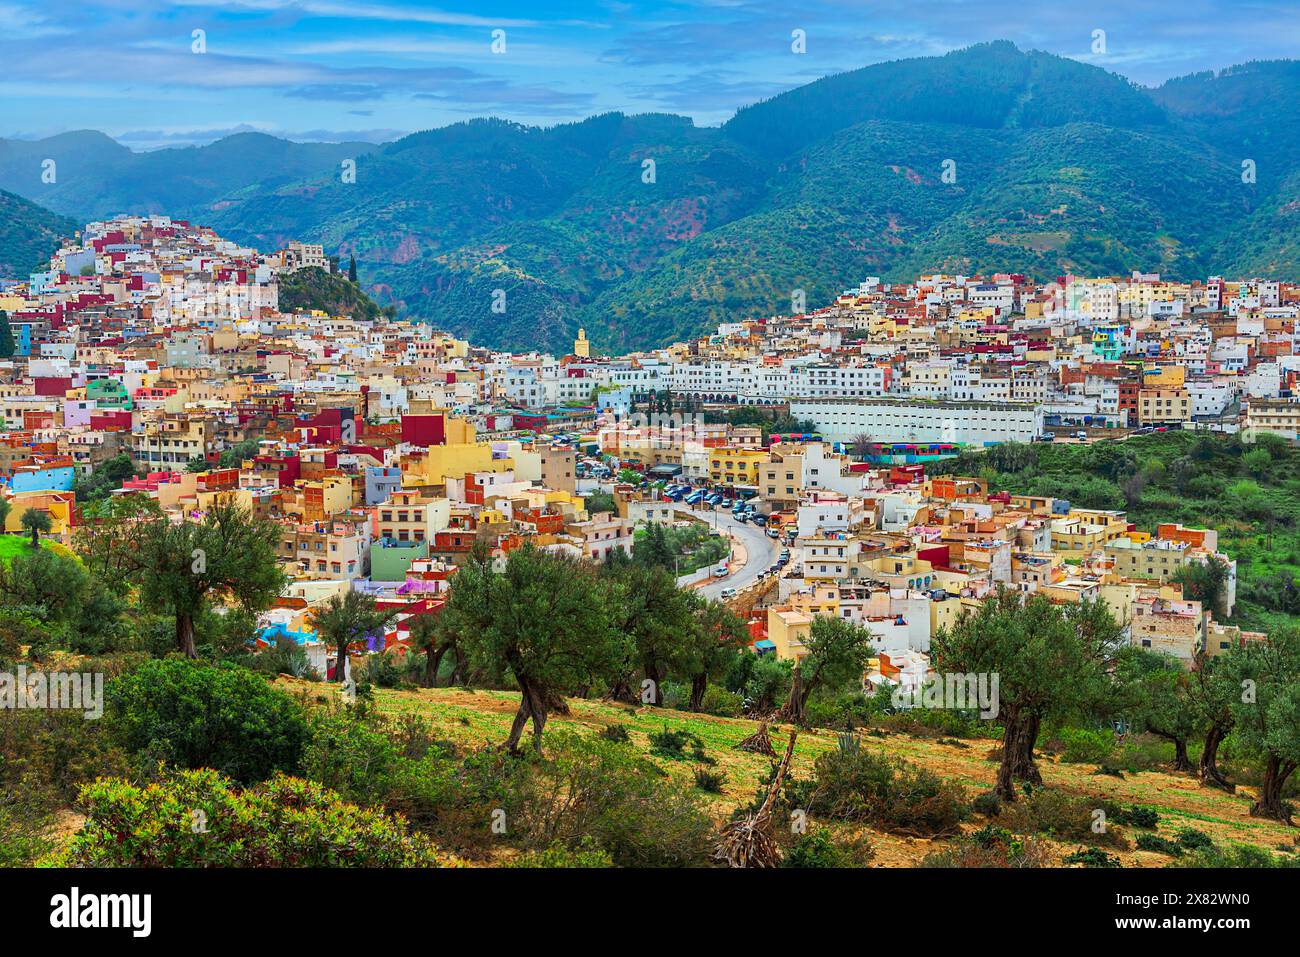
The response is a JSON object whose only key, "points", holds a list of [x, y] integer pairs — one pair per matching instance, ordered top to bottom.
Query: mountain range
{"points": [[647, 228]]}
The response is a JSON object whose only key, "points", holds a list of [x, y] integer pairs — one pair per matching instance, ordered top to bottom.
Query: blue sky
{"points": [[374, 69]]}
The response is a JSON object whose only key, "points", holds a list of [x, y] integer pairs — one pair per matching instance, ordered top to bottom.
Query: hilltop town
{"points": [[155, 357]]}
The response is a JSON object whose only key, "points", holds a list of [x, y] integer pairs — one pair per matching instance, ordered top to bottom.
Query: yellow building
{"points": [[1164, 406], [737, 466], [59, 506], [1084, 531], [789, 630]]}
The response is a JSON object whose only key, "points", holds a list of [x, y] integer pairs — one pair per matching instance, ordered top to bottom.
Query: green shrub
{"points": [[286, 658], [721, 702], [192, 715], [614, 732], [678, 745], [1082, 746], [711, 781], [593, 789], [890, 793], [988, 804], [1060, 815], [1137, 815], [203, 819], [1190, 839], [1154, 842], [992, 846], [820, 848], [557, 855], [1234, 855], [1092, 857]]}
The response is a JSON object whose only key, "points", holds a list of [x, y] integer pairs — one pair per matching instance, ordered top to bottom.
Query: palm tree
{"points": [[34, 522], [347, 619]]}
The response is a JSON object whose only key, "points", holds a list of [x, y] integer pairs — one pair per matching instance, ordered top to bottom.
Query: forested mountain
{"points": [[647, 228], [28, 235]]}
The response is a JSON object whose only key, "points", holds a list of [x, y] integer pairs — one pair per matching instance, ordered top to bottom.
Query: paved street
{"points": [[761, 549]]}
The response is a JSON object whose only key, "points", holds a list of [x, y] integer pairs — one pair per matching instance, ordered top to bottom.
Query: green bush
{"points": [[721, 702], [192, 715], [614, 732], [678, 745], [1082, 746], [711, 781], [592, 789], [887, 792], [988, 804], [1137, 815], [1063, 816], [203, 819], [1190, 839], [1154, 842], [992, 846], [820, 848], [557, 855], [1234, 855], [1092, 857]]}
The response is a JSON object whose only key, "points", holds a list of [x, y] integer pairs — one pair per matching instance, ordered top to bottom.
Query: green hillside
{"points": [[29, 234], [314, 288]]}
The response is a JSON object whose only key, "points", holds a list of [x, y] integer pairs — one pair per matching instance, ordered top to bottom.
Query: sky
{"points": [[155, 74]]}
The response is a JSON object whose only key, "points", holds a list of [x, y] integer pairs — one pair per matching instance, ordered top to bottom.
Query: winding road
{"points": [[761, 551]]}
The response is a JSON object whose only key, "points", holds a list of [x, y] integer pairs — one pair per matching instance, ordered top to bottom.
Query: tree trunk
{"points": [[185, 635], [432, 662], [340, 667], [459, 674], [652, 675], [699, 685], [622, 691], [534, 706], [793, 711], [517, 726], [1018, 737], [1181, 761], [1209, 772], [1269, 803]]}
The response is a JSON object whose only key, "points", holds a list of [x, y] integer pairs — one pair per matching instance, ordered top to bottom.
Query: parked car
{"points": [[694, 498], [759, 520], [773, 533], [720, 571], [728, 593]]}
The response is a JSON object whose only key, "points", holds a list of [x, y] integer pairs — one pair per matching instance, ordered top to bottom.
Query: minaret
{"points": [[581, 347]]}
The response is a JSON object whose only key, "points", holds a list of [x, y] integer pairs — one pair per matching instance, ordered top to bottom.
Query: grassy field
{"points": [[14, 545], [476, 718]]}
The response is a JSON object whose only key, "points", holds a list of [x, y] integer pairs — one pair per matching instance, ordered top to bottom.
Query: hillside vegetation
{"points": [[29, 235], [314, 288], [1249, 493]]}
